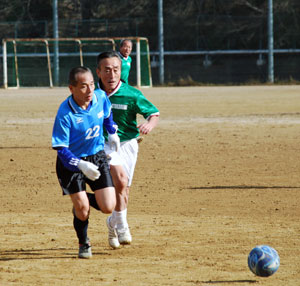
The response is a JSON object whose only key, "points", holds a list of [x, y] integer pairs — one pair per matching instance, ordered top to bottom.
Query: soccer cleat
{"points": [[112, 235], [124, 236], [85, 250]]}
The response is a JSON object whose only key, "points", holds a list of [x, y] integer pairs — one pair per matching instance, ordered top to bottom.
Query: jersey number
{"points": [[92, 132]]}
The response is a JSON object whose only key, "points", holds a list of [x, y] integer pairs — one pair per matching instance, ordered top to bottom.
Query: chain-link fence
{"points": [[189, 45]]}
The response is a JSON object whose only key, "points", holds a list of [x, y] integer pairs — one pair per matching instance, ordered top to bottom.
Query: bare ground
{"points": [[218, 176]]}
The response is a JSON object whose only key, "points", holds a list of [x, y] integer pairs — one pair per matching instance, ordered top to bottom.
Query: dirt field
{"points": [[218, 176]]}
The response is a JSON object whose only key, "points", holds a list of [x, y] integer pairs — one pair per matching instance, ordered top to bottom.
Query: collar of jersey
{"points": [[121, 56], [116, 89], [76, 108]]}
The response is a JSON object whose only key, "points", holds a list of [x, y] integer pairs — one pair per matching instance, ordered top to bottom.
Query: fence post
{"points": [[55, 36], [161, 42], [270, 43]]}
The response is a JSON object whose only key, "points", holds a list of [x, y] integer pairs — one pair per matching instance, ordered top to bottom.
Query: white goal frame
{"points": [[77, 41]]}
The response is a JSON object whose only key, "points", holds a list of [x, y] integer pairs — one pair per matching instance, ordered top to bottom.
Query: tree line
{"points": [[190, 24]]}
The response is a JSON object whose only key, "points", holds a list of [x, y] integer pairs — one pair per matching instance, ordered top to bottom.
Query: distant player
{"points": [[125, 51], [127, 102], [78, 138]]}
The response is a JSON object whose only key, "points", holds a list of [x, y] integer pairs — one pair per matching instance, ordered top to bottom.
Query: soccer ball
{"points": [[263, 260]]}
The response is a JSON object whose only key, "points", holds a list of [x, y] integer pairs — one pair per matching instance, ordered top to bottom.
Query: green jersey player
{"points": [[125, 51], [126, 102]]}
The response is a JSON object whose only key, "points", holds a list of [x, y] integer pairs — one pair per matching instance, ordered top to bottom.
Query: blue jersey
{"points": [[81, 131]]}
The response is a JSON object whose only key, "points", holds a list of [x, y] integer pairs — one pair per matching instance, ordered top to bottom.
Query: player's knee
{"points": [[121, 184], [108, 207], [82, 213]]}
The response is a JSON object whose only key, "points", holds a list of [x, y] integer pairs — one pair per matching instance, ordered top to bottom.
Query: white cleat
{"points": [[112, 235], [124, 236]]}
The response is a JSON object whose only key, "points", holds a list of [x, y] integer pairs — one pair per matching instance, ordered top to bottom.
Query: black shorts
{"points": [[74, 182]]}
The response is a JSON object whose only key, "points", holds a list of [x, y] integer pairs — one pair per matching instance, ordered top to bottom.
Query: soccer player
{"points": [[124, 52], [127, 102], [78, 138]]}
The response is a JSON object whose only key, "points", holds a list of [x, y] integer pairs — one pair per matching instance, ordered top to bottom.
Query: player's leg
{"points": [[121, 174], [120, 179], [73, 184], [103, 188], [105, 194], [106, 199], [93, 202], [81, 205], [81, 212], [81, 215], [118, 219]]}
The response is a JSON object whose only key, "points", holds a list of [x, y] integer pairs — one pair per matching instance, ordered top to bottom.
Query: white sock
{"points": [[119, 219]]}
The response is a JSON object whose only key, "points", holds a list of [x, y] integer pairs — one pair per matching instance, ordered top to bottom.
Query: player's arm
{"points": [[149, 111], [149, 124], [110, 125], [112, 128], [69, 160], [75, 164]]}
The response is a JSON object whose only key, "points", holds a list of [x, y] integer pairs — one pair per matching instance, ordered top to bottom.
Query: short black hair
{"points": [[105, 55], [73, 74]]}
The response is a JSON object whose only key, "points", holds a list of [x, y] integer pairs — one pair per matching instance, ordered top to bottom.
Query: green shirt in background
{"points": [[126, 65]]}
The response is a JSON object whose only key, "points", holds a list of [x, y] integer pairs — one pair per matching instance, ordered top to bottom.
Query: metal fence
{"points": [[192, 53]]}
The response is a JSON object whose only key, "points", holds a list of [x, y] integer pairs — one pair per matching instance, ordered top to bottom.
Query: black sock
{"points": [[92, 200], [81, 228]]}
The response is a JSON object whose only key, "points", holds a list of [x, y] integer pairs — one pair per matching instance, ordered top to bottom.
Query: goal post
{"points": [[29, 62]]}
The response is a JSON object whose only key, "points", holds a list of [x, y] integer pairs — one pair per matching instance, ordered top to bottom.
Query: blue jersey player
{"points": [[78, 138]]}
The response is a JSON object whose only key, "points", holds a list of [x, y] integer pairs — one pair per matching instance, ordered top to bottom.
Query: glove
{"points": [[114, 141], [89, 169]]}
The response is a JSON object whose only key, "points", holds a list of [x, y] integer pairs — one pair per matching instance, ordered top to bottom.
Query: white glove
{"points": [[114, 141], [89, 169]]}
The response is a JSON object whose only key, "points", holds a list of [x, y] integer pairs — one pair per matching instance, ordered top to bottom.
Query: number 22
{"points": [[92, 132]]}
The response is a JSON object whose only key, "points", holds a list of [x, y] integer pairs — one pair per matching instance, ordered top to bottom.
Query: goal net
{"points": [[47, 62]]}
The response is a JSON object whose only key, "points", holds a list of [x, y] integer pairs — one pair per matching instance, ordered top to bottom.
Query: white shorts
{"points": [[126, 156]]}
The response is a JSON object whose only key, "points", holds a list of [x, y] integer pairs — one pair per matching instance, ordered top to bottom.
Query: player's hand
{"points": [[146, 127], [114, 141], [89, 169]]}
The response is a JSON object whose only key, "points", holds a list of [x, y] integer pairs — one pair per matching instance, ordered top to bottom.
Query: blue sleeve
{"points": [[106, 106], [108, 122], [110, 125], [61, 132], [69, 160]]}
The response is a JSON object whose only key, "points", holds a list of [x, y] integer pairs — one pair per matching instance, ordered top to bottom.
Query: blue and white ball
{"points": [[263, 260]]}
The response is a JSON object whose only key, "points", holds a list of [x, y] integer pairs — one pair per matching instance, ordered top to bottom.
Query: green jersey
{"points": [[126, 65], [127, 102]]}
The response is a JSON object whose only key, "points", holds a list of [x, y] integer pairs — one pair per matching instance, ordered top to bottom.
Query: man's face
{"points": [[126, 49], [109, 73], [84, 90]]}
